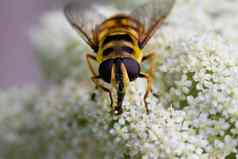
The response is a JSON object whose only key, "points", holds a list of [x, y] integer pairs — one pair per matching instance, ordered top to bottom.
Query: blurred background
{"points": [[18, 62]]}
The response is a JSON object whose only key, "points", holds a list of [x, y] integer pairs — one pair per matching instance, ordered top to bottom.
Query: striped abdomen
{"points": [[118, 37], [118, 44]]}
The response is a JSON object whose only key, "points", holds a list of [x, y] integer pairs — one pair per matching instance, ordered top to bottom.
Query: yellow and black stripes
{"points": [[119, 36], [123, 37]]}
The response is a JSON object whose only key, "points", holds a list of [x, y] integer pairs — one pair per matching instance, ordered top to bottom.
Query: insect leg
{"points": [[92, 57], [151, 58], [95, 77], [98, 84], [148, 88]]}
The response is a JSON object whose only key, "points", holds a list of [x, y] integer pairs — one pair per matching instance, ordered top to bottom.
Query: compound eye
{"points": [[133, 68], [105, 70]]}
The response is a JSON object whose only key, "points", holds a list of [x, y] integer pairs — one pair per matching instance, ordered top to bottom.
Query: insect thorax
{"points": [[118, 38]]}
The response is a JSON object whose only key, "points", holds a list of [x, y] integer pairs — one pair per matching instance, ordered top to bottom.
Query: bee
{"points": [[117, 43]]}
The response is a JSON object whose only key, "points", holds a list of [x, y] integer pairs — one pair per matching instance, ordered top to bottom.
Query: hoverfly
{"points": [[117, 42]]}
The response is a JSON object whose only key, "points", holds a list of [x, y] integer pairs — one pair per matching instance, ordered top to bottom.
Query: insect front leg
{"points": [[91, 57], [151, 58], [95, 78], [99, 85], [148, 88]]}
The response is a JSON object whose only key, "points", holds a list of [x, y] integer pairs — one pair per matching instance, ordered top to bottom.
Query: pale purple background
{"points": [[18, 63]]}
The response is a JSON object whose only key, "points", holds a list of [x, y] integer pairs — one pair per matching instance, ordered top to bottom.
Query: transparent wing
{"points": [[151, 14], [84, 21]]}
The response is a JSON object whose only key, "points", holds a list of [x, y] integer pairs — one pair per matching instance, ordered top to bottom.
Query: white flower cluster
{"points": [[201, 79], [195, 115], [62, 122], [161, 134]]}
